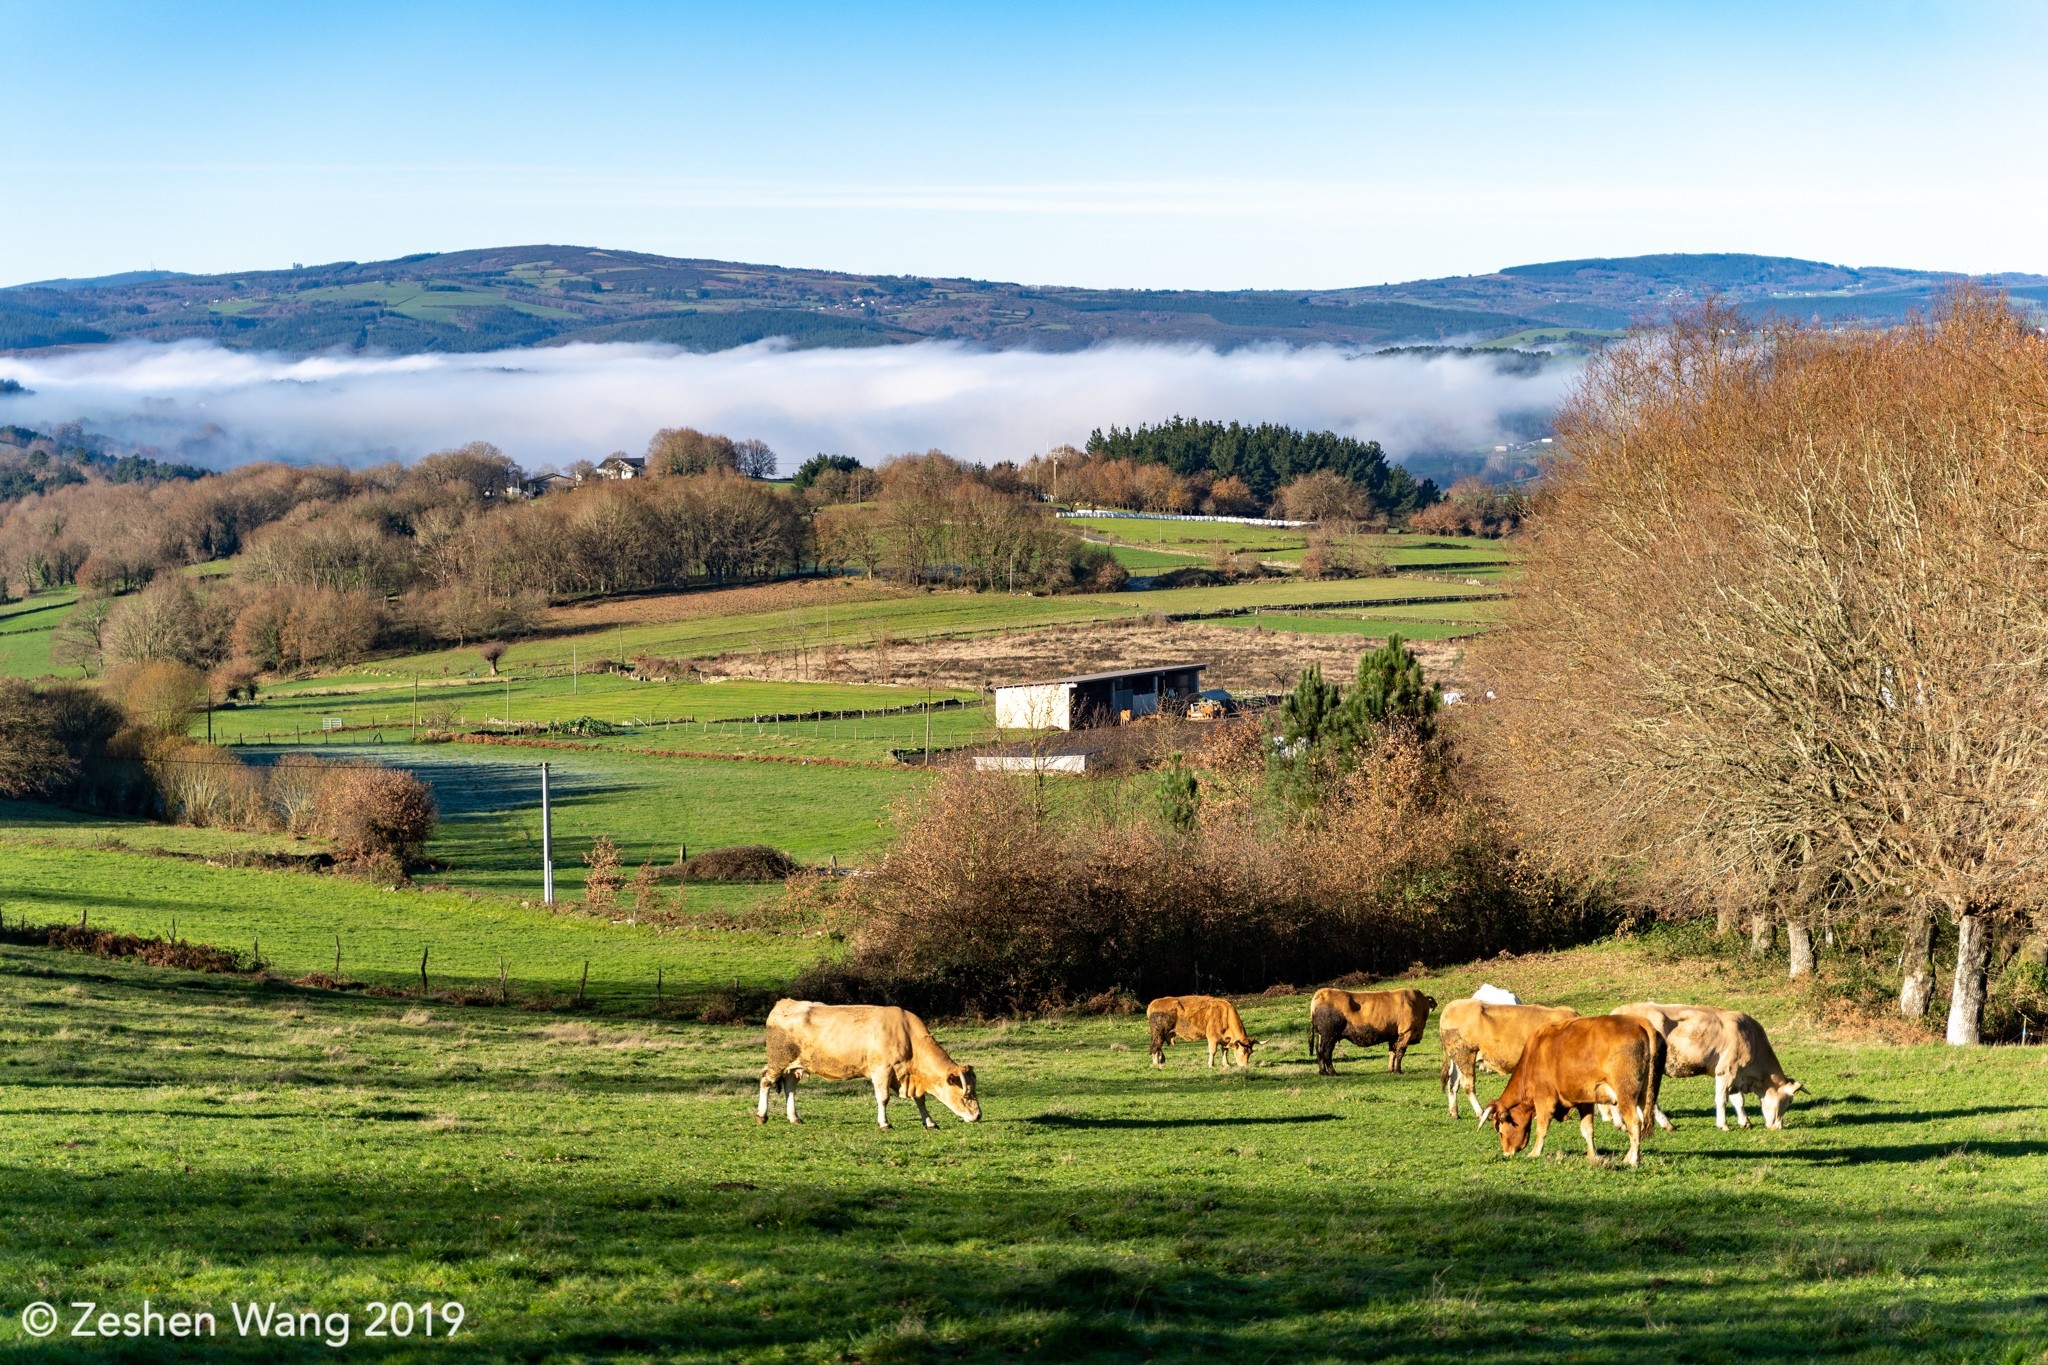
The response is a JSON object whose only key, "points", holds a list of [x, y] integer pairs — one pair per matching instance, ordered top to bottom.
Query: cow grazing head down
{"points": [[1240, 1052], [955, 1090], [1778, 1098], [1512, 1123]]}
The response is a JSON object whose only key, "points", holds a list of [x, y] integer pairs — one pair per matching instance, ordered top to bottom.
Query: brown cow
{"points": [[1199, 1018], [1364, 1018], [1476, 1034], [1701, 1040], [889, 1046], [1582, 1063]]}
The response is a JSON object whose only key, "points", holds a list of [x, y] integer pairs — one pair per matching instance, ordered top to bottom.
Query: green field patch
{"points": [[26, 628], [305, 710], [296, 917], [598, 1186]]}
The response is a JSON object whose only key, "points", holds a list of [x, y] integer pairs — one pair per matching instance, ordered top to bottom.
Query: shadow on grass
{"points": [[1079, 1121]]}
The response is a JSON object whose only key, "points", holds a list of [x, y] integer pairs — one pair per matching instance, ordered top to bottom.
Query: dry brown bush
{"points": [[1781, 627], [373, 813], [742, 863], [986, 906]]}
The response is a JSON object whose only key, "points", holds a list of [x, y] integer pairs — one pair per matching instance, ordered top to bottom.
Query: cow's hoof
{"points": [[760, 1118], [931, 1125]]}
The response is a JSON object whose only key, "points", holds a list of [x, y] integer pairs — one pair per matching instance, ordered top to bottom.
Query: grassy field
{"points": [[25, 630], [357, 701], [298, 916], [595, 1188]]}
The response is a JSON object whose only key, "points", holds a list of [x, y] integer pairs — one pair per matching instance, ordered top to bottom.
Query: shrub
{"points": [[163, 697], [294, 790], [371, 812], [742, 863], [601, 884], [984, 906]]}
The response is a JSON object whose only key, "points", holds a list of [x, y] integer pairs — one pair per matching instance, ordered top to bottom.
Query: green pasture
{"points": [[410, 299], [1200, 537], [25, 630], [387, 703], [650, 805], [296, 918], [595, 1187]]}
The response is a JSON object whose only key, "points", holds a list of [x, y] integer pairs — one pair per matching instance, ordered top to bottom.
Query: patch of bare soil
{"points": [[655, 608], [1243, 659]]}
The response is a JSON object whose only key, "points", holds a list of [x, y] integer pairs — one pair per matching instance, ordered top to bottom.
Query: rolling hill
{"points": [[508, 297]]}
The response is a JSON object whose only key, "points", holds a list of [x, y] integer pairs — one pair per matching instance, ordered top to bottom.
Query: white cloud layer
{"points": [[213, 406]]}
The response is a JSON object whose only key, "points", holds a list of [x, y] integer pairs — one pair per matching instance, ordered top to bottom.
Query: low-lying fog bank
{"points": [[208, 405]]}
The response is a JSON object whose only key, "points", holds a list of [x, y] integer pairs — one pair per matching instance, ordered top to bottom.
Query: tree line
{"points": [[1261, 460], [1776, 657]]}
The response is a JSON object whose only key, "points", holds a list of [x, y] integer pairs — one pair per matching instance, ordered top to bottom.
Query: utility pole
{"points": [[572, 668], [508, 698], [415, 706], [547, 842]]}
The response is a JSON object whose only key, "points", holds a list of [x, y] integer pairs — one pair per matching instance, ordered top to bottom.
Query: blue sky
{"points": [[1160, 145]]}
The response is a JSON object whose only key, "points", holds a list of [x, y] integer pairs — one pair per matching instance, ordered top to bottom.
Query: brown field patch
{"points": [[1245, 660]]}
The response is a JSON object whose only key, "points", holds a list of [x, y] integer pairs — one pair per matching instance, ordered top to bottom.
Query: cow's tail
{"points": [[1653, 1082]]}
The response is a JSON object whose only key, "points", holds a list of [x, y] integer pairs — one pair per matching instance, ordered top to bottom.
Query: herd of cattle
{"points": [[1555, 1059]]}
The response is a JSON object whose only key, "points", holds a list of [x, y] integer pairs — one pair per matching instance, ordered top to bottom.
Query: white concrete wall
{"points": [[1042, 706], [1030, 763]]}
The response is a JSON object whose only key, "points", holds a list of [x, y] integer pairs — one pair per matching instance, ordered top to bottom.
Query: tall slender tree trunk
{"points": [[1725, 915], [1763, 933], [1800, 934], [1973, 962], [1917, 986]]}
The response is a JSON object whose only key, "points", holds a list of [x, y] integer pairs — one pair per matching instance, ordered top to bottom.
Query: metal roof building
{"points": [[1095, 698]]}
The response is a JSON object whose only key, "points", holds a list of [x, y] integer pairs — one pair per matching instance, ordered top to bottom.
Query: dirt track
{"points": [[1241, 658]]}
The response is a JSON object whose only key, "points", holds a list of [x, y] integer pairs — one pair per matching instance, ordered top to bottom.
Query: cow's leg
{"points": [[1395, 1051], [1212, 1052], [1326, 1052], [1450, 1079], [881, 1080], [789, 1092], [1721, 1103], [761, 1108], [925, 1114], [1741, 1115], [1541, 1123], [1636, 1130], [1586, 1132]]}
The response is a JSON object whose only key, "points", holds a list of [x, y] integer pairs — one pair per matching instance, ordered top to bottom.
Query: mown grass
{"points": [[26, 630], [357, 701], [296, 918], [597, 1189]]}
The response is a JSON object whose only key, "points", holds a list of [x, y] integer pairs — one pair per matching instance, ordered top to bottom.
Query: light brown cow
{"points": [[1199, 1018], [1364, 1018], [1476, 1034], [1701, 1040], [889, 1046], [1582, 1064]]}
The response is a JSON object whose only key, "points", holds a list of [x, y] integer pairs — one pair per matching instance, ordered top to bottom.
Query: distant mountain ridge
{"points": [[507, 297]]}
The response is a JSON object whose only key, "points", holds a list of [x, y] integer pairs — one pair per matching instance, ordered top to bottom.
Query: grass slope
{"points": [[592, 1189]]}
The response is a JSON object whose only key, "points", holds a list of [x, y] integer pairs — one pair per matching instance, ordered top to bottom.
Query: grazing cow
{"points": [[1199, 1018], [1364, 1018], [1476, 1034], [1728, 1045], [889, 1046], [1581, 1064]]}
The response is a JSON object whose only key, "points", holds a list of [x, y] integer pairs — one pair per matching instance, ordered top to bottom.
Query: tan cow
{"points": [[1199, 1018], [1364, 1018], [1476, 1034], [1701, 1040], [889, 1046], [1582, 1064]]}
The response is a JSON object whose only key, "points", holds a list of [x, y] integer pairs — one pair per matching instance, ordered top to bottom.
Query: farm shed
{"points": [[1094, 698]]}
